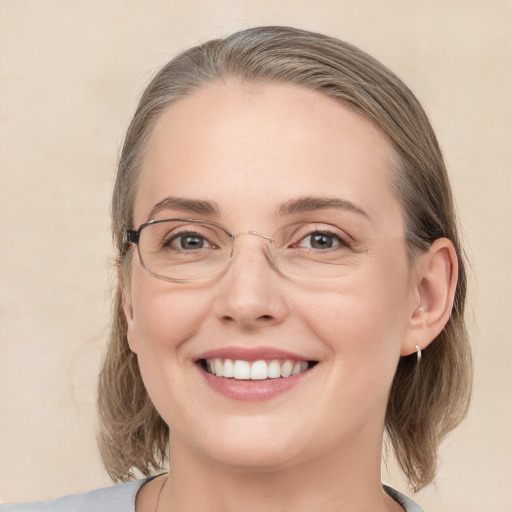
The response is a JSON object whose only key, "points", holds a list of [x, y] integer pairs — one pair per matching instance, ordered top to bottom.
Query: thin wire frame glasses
{"points": [[191, 250]]}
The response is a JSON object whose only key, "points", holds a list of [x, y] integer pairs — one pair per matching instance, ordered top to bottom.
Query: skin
{"points": [[251, 149]]}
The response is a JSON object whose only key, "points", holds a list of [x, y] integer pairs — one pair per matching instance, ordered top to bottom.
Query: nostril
{"points": [[265, 317]]}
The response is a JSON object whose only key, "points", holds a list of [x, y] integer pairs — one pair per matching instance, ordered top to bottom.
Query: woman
{"points": [[291, 286]]}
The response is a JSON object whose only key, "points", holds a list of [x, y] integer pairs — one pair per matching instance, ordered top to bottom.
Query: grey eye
{"points": [[320, 240], [189, 242]]}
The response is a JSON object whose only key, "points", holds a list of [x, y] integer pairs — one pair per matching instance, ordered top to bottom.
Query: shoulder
{"points": [[116, 498], [121, 498], [407, 503]]}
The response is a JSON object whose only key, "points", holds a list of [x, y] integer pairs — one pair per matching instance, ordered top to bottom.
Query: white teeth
{"points": [[219, 368], [228, 369], [286, 369], [241, 370], [258, 370], [274, 370]]}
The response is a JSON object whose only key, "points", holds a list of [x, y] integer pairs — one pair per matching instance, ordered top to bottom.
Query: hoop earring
{"points": [[418, 352]]}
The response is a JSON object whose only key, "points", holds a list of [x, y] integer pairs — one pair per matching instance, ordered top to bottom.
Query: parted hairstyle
{"points": [[427, 400]]}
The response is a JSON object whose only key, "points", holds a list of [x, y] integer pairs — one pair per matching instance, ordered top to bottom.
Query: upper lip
{"points": [[250, 354]]}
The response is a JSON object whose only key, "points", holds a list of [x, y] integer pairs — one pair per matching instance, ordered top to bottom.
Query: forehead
{"points": [[246, 145]]}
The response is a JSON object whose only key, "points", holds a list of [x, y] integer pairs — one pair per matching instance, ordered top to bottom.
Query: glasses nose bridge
{"points": [[253, 233], [268, 240], [268, 243]]}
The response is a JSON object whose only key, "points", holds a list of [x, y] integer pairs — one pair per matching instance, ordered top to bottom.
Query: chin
{"points": [[251, 447], [255, 459]]}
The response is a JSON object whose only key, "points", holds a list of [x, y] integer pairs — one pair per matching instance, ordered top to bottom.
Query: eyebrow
{"points": [[313, 203], [188, 205], [294, 206]]}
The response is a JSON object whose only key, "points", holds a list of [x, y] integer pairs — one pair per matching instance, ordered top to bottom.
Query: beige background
{"points": [[70, 74]]}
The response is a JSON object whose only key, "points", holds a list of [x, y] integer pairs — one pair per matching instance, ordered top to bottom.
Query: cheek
{"points": [[164, 316], [363, 320], [163, 323], [354, 324]]}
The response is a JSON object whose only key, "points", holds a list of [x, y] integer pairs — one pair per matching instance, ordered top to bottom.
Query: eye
{"points": [[321, 240], [188, 242]]}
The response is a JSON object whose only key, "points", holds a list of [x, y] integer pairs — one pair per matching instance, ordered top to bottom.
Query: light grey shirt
{"points": [[121, 498]]}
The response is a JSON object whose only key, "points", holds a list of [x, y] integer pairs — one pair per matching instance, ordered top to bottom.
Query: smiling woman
{"points": [[291, 285]]}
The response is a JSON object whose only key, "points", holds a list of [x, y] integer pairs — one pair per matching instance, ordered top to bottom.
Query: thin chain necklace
{"points": [[160, 493]]}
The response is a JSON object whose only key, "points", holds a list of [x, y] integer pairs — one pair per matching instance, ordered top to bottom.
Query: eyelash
{"points": [[340, 241], [168, 242]]}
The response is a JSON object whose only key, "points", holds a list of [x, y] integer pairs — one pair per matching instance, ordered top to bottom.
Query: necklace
{"points": [[160, 493]]}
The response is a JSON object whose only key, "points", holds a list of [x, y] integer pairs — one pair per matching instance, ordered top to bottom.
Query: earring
{"points": [[418, 352]]}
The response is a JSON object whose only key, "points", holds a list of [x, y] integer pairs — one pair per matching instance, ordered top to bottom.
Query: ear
{"points": [[434, 286], [126, 300]]}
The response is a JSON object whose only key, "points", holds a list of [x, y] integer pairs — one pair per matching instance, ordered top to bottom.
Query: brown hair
{"points": [[425, 404]]}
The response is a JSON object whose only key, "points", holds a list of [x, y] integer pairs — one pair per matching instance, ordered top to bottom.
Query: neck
{"points": [[335, 481]]}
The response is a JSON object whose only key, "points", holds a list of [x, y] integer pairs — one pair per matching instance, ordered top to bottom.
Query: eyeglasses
{"points": [[190, 250]]}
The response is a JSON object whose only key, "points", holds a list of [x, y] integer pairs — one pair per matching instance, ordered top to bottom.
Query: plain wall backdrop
{"points": [[70, 75]]}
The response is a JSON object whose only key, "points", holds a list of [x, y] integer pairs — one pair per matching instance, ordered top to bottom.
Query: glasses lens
{"points": [[184, 250], [316, 251], [304, 264]]}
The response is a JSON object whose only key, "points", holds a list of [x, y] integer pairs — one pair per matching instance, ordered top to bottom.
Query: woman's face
{"points": [[261, 158]]}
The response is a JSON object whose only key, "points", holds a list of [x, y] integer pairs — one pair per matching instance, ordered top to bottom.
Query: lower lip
{"points": [[251, 390]]}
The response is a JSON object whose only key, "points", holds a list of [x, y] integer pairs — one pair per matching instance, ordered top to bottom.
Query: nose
{"points": [[251, 293]]}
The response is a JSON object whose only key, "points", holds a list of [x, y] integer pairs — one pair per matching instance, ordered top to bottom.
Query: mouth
{"points": [[262, 369]]}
